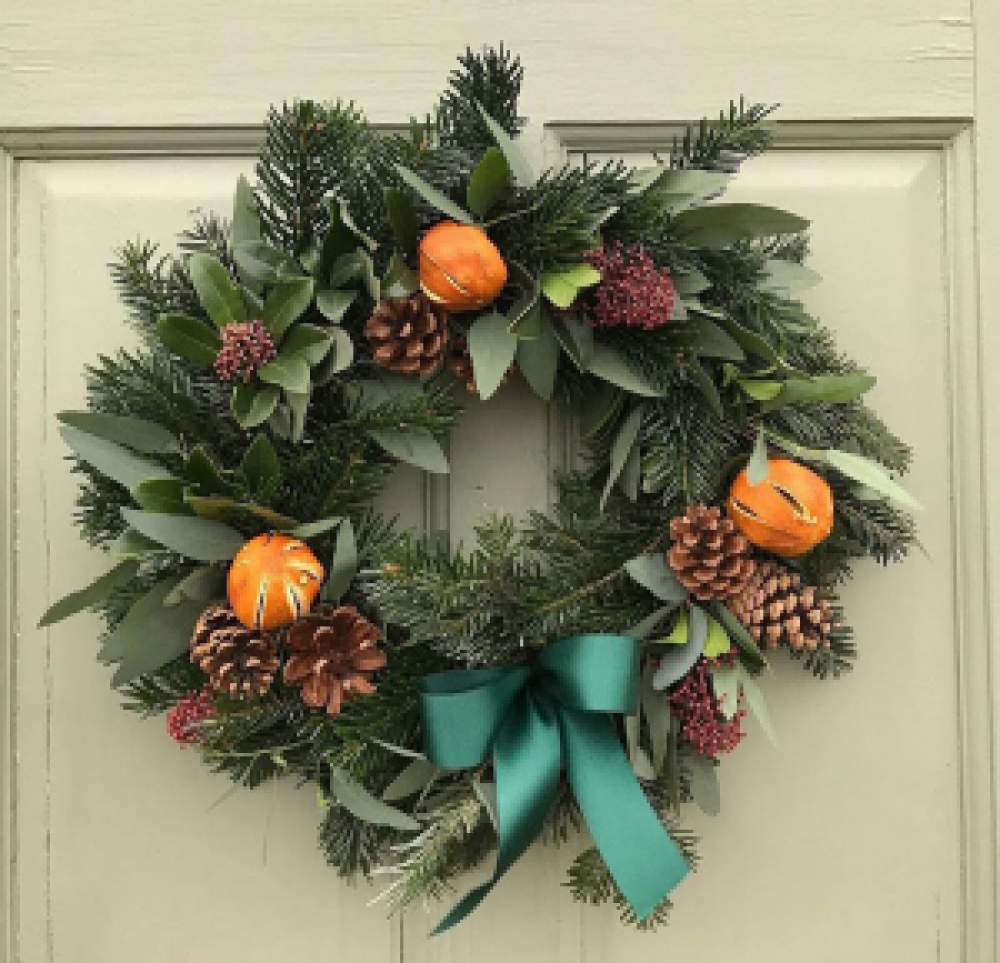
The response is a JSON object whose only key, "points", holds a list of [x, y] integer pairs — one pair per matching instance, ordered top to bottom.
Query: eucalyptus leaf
{"points": [[520, 167], [488, 183], [677, 187], [433, 196], [402, 219], [246, 223], [720, 225], [261, 263], [787, 277], [690, 282], [562, 286], [218, 295], [286, 302], [333, 304], [189, 338], [577, 340], [749, 341], [715, 342], [493, 348], [538, 360], [606, 363], [288, 371], [703, 382], [826, 388], [760, 389], [252, 404], [135, 433], [415, 447], [621, 448], [119, 464], [260, 466], [757, 466], [870, 474], [204, 475], [162, 495], [220, 507], [319, 527], [196, 538], [130, 544], [344, 566], [652, 572], [121, 574], [203, 584], [643, 629], [738, 634], [717, 642], [676, 661], [726, 686], [758, 707], [656, 708], [641, 764], [411, 780], [704, 784], [361, 803]]}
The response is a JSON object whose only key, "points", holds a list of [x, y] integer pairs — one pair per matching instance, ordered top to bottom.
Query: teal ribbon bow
{"points": [[535, 718]]}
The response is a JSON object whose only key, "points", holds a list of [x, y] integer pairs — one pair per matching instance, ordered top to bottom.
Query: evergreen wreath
{"points": [[292, 356]]}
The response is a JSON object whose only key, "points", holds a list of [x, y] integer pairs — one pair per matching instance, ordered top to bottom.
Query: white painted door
{"points": [[869, 833]]}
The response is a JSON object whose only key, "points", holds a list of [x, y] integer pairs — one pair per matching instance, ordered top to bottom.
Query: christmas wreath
{"points": [[586, 666]]}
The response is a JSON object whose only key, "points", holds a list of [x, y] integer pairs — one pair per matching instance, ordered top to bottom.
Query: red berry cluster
{"points": [[633, 291], [246, 346], [697, 709], [185, 718]]}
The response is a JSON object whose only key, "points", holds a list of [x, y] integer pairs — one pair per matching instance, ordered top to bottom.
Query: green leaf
{"points": [[519, 165], [488, 183], [675, 187], [433, 196], [402, 219], [246, 223], [719, 225], [260, 263], [787, 277], [400, 279], [690, 282], [562, 285], [218, 295], [286, 302], [333, 305], [189, 338], [577, 339], [309, 342], [714, 342], [751, 343], [492, 347], [538, 360], [606, 363], [287, 371], [703, 382], [828, 388], [760, 390], [252, 404], [135, 433], [416, 447], [621, 448], [117, 463], [260, 466], [757, 466], [202, 472], [871, 474], [162, 495], [220, 507], [312, 529], [196, 538], [130, 544], [344, 565], [652, 572], [203, 584], [97, 591], [642, 630], [680, 633], [151, 634], [738, 634], [717, 643], [676, 661], [726, 685], [757, 706], [656, 709], [641, 765], [412, 779], [704, 784], [361, 803]]}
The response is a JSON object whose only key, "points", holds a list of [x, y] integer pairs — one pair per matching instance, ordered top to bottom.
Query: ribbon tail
{"points": [[527, 757], [644, 861]]}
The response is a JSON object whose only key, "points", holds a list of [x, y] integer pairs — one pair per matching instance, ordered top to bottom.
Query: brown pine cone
{"points": [[408, 334], [460, 365], [709, 556], [776, 607], [332, 655], [238, 661]]}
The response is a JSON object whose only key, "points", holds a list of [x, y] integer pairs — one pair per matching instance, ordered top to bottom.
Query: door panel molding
{"points": [[971, 424]]}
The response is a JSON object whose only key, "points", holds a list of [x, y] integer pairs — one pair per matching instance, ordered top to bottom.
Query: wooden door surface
{"points": [[869, 832]]}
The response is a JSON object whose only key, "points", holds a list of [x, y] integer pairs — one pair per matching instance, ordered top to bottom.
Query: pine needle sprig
{"points": [[725, 143]]}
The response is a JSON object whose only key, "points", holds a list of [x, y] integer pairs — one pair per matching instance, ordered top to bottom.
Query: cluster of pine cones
{"points": [[410, 335], [713, 560], [331, 653]]}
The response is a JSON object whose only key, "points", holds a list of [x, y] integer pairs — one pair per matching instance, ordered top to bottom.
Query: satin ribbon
{"points": [[533, 720]]}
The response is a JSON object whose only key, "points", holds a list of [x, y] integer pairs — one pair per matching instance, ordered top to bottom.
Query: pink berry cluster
{"points": [[633, 291], [246, 346], [697, 709], [185, 718]]}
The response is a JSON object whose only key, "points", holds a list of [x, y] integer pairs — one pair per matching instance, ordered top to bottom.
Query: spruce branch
{"points": [[725, 143]]}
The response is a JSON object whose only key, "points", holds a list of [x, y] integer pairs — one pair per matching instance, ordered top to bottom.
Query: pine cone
{"points": [[408, 334], [460, 365], [709, 555], [775, 606], [332, 656], [238, 661]]}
